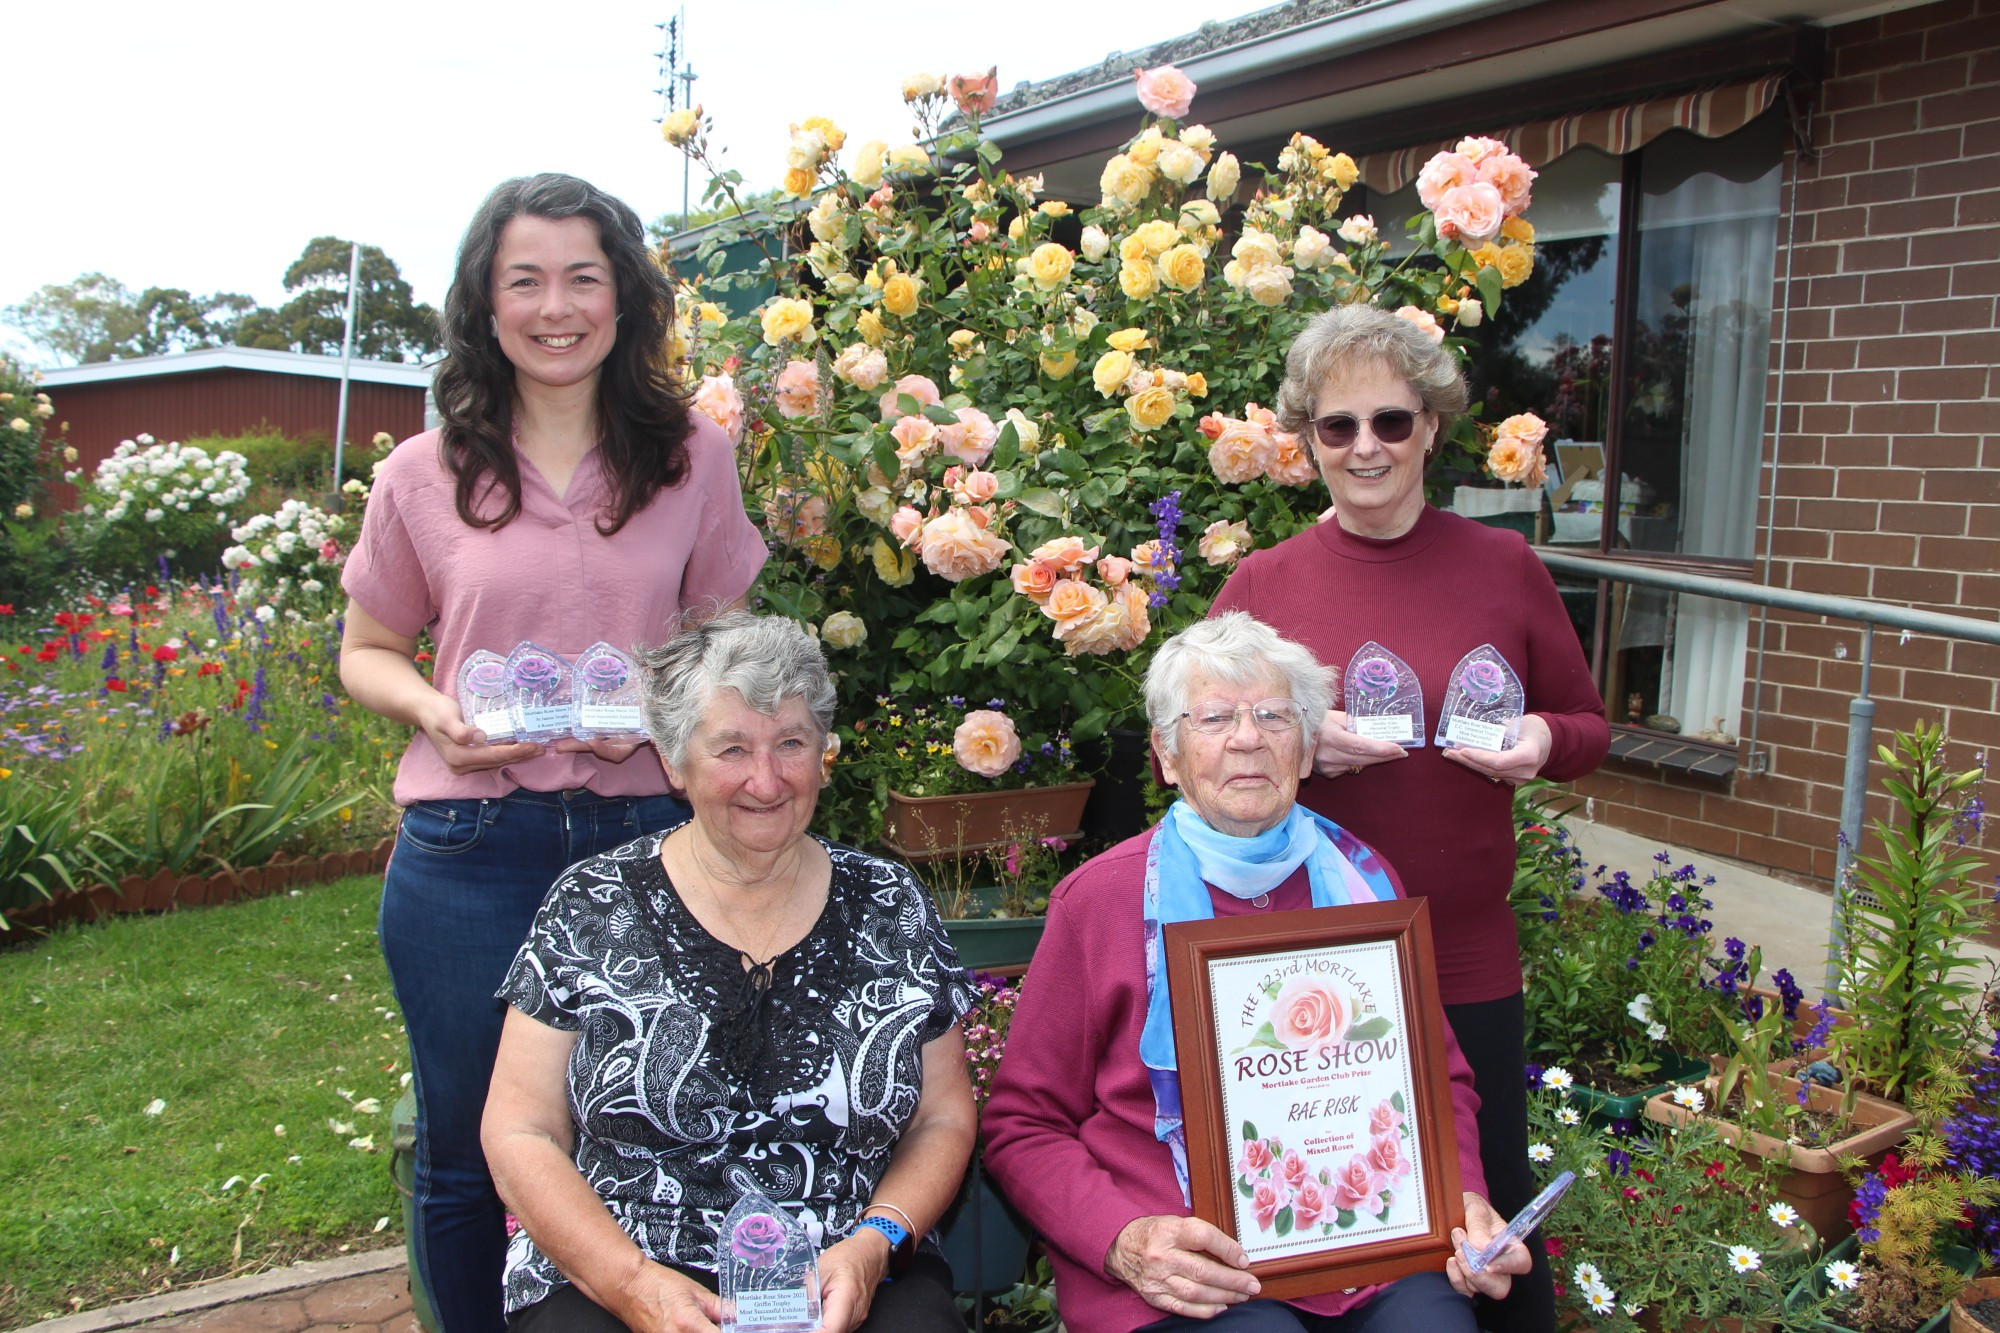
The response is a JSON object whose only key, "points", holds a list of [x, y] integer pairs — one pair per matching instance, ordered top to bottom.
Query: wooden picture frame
{"points": [[1361, 1054]]}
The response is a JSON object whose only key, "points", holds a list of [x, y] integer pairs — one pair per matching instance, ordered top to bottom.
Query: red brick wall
{"points": [[1888, 450]]}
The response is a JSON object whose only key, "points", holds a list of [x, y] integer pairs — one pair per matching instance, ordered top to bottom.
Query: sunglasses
{"points": [[1340, 430]]}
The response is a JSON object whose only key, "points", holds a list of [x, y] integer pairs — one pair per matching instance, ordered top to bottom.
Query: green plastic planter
{"points": [[1601, 1108], [1813, 1284]]}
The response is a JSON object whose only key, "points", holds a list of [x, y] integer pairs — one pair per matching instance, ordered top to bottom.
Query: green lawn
{"points": [[269, 1032]]}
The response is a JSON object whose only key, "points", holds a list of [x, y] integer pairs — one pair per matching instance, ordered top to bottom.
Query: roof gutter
{"points": [[1350, 30]]}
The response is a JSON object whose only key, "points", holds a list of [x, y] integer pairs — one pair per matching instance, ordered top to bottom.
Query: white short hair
{"points": [[1238, 648]]}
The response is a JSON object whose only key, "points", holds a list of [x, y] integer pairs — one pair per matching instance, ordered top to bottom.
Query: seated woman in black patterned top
{"points": [[733, 994]]}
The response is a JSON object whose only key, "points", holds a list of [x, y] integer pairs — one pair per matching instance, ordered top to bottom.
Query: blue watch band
{"points": [[900, 1249]]}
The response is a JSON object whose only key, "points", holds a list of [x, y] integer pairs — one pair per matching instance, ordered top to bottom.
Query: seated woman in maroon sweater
{"points": [[1373, 394], [1082, 1129]]}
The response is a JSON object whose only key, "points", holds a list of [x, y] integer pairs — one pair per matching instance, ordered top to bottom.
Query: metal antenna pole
{"points": [[687, 77], [346, 366]]}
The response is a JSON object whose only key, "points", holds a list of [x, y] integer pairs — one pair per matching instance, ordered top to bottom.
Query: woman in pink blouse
{"points": [[570, 496]]}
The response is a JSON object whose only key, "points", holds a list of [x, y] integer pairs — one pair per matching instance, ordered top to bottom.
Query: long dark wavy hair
{"points": [[642, 418]]}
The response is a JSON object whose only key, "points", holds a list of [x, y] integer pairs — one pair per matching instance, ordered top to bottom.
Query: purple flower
{"points": [[535, 672], [603, 673], [1375, 678], [1483, 681], [260, 690], [1534, 1073], [1618, 1162], [758, 1240]]}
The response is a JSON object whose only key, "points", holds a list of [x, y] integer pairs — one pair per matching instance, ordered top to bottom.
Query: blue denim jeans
{"points": [[461, 890], [1422, 1301]]}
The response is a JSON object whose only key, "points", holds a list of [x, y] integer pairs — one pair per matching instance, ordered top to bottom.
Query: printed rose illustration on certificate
{"points": [[1316, 1084]]}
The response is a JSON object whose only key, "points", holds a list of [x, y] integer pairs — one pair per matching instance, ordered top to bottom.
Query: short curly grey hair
{"points": [[1348, 334], [1238, 648], [766, 659]]}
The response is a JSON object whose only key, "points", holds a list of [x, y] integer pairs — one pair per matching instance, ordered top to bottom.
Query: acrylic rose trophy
{"points": [[1315, 1094], [767, 1271]]}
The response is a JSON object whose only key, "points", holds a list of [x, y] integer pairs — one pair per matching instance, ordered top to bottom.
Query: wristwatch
{"points": [[902, 1245]]}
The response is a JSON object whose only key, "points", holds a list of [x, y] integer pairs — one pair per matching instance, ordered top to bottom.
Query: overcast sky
{"points": [[202, 145]]}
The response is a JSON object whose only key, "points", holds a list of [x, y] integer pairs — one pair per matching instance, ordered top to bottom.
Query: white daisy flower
{"points": [[1558, 1078], [1690, 1098], [1569, 1115], [1540, 1152], [1782, 1213], [1744, 1259], [1586, 1274], [1843, 1275], [1601, 1300], [1632, 1309]]}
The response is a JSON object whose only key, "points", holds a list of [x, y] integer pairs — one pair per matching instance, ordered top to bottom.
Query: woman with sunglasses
{"points": [[1371, 395]]}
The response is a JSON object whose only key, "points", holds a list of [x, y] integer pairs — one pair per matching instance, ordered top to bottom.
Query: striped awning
{"points": [[1710, 112]]}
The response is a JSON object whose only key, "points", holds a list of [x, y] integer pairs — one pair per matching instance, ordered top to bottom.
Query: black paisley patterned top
{"points": [[661, 1101]]}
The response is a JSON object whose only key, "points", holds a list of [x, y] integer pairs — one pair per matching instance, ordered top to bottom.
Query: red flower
{"points": [[151, 591], [6, 608], [64, 620], [48, 653], [165, 653], [423, 657], [210, 669], [115, 685], [1714, 1170], [1643, 1174], [1553, 1246]]}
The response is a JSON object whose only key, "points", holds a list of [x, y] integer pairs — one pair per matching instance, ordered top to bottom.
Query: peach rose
{"points": [[1165, 91], [976, 93], [1477, 148], [1445, 171], [1511, 177], [1471, 213], [1358, 230], [1424, 320], [862, 366], [918, 387], [796, 389], [718, 400], [1525, 426], [914, 437], [971, 440], [1242, 452], [1516, 460], [1291, 464], [976, 487], [906, 525], [1223, 544], [956, 546], [1065, 555], [1148, 559], [1114, 569], [1033, 580], [1070, 601], [1120, 625], [986, 743], [1310, 1013], [1384, 1118], [1387, 1158], [1357, 1188], [1267, 1198], [1309, 1204]]}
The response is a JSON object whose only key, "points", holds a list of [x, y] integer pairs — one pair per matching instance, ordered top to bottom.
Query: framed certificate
{"points": [[1315, 1092]]}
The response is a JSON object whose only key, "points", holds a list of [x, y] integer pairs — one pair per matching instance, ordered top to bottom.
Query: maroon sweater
{"points": [[1431, 596], [1069, 1127]]}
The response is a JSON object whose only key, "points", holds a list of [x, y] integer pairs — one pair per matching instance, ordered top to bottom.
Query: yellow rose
{"points": [[918, 86], [679, 126], [833, 134], [1145, 150], [908, 157], [868, 163], [1179, 163], [1342, 170], [1223, 178], [798, 182], [1124, 182], [1053, 208], [1198, 215], [1017, 229], [1518, 229], [1158, 236], [1132, 250], [1487, 256], [1517, 262], [1049, 265], [1182, 267], [1138, 280], [899, 296], [1447, 305], [711, 313], [787, 318], [869, 325], [961, 340], [1127, 340], [1057, 366], [1111, 371], [1197, 385], [1150, 408], [822, 551], [895, 568], [843, 629]]}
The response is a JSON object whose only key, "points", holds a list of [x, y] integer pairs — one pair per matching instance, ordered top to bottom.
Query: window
{"points": [[1643, 340]]}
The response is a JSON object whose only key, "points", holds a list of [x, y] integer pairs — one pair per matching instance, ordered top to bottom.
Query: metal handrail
{"points": [[1860, 709]]}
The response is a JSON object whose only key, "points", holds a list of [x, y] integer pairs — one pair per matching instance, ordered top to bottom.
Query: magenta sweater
{"points": [[1431, 596], [1069, 1127]]}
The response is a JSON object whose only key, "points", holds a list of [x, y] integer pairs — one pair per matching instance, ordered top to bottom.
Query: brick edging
{"points": [[228, 1291]]}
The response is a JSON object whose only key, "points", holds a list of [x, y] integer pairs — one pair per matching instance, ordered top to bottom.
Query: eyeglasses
{"points": [[1340, 430], [1213, 717]]}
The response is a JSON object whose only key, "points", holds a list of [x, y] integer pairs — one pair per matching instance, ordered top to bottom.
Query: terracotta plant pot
{"points": [[932, 828], [1813, 1184], [1979, 1290]]}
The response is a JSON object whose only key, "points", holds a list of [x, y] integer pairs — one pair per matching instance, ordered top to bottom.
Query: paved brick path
{"points": [[361, 1293]]}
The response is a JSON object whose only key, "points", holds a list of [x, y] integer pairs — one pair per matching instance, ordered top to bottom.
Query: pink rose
{"points": [[1165, 91], [976, 93], [1478, 148], [1445, 171], [1512, 177], [1470, 214], [979, 231], [1424, 320], [862, 366], [918, 387], [796, 389], [718, 400], [913, 435], [972, 438], [976, 487], [906, 525], [1224, 543], [957, 546], [1065, 554], [1114, 569], [1033, 580], [986, 743], [1310, 1013], [1384, 1118], [1256, 1156], [1387, 1159], [1293, 1170], [1357, 1188], [1266, 1201], [1309, 1203]]}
